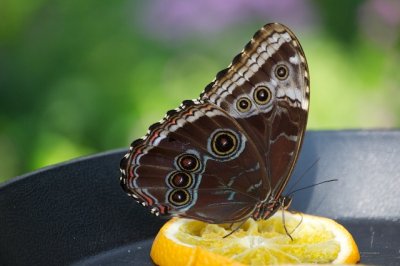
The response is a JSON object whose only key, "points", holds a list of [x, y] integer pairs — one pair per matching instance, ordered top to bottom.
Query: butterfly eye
{"points": [[281, 72], [262, 95], [243, 104], [224, 143], [188, 162], [180, 180], [179, 197]]}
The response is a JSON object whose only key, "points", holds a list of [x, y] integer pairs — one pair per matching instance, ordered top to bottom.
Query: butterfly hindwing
{"points": [[197, 163]]}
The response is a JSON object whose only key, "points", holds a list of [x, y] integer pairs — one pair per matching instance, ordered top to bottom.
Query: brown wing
{"points": [[266, 89], [198, 163]]}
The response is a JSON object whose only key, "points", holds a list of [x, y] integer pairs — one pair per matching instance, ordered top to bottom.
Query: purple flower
{"points": [[181, 18], [380, 20]]}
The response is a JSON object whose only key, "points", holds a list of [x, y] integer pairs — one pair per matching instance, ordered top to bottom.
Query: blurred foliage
{"points": [[340, 18], [80, 77]]}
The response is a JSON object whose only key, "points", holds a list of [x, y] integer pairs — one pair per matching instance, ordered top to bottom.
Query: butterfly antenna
{"points": [[302, 176], [310, 186]]}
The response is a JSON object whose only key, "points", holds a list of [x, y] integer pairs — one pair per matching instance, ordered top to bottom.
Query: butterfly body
{"points": [[228, 155]]}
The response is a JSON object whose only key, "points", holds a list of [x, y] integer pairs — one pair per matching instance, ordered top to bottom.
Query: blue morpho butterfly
{"points": [[228, 155]]}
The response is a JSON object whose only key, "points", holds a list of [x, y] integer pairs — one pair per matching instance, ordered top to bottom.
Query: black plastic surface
{"points": [[76, 212]]}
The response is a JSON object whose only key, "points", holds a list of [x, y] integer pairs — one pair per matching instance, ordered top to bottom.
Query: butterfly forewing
{"points": [[270, 79], [228, 155]]}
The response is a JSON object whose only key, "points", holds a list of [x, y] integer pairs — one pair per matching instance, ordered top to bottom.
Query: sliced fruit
{"points": [[312, 239]]}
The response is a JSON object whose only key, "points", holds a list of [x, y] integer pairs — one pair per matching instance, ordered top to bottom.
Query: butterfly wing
{"points": [[266, 89], [228, 155], [198, 162]]}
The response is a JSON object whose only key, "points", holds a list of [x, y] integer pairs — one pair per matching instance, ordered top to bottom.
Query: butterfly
{"points": [[228, 155]]}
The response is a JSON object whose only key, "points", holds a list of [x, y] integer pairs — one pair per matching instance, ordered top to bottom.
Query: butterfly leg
{"points": [[285, 202], [284, 225], [231, 226], [236, 229], [289, 234]]}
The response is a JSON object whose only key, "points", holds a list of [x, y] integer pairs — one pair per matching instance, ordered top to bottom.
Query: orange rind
{"points": [[264, 242]]}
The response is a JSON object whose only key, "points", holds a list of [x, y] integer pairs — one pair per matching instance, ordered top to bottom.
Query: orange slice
{"points": [[315, 240]]}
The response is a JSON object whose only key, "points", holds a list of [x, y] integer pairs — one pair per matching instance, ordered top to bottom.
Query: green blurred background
{"points": [[81, 77]]}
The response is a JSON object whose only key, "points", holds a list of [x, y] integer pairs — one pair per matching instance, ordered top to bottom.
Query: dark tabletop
{"points": [[76, 212]]}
